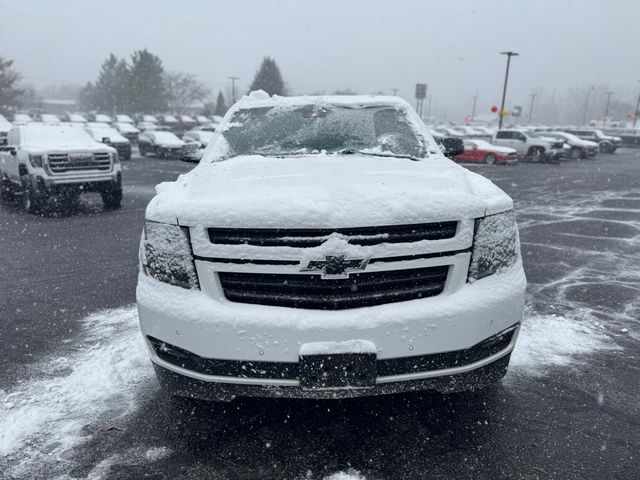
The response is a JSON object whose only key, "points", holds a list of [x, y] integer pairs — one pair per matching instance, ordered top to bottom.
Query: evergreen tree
{"points": [[268, 78], [106, 87], [147, 87], [122, 92], [9, 93], [87, 97], [221, 106]]}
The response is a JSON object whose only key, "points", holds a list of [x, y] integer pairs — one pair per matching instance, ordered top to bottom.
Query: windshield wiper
{"points": [[353, 151]]}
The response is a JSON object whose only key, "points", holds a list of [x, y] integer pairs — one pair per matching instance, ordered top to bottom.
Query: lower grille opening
{"points": [[313, 292]]}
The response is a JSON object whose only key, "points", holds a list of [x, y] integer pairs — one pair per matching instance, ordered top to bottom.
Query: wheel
{"points": [[606, 147], [142, 150], [575, 153], [536, 154], [490, 159], [6, 189], [112, 198], [32, 202]]}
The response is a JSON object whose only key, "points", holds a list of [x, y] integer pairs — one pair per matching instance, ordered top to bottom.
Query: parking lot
{"points": [[80, 399]]}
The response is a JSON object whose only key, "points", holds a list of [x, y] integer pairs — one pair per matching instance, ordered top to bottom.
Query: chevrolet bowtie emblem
{"points": [[336, 266]]}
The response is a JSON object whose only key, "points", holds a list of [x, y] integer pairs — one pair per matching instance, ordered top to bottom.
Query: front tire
{"points": [[576, 153], [536, 154], [490, 159], [6, 189], [112, 198], [32, 202]]}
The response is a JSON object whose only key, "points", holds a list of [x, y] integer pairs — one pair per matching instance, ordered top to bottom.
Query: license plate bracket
{"points": [[337, 370]]}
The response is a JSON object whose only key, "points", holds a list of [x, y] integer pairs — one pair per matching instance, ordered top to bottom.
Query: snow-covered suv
{"points": [[530, 145], [41, 161], [324, 247]]}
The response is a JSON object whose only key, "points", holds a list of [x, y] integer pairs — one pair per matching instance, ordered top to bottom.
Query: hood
{"points": [[164, 144], [93, 147], [325, 191]]}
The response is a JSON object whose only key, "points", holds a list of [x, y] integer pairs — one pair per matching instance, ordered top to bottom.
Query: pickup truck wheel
{"points": [[606, 147], [142, 150], [576, 153], [536, 154], [490, 159], [6, 189], [112, 198], [31, 201]]}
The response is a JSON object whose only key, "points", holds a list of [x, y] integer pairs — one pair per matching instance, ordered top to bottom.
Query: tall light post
{"points": [[506, 79], [233, 88], [533, 98], [586, 106], [473, 108], [606, 108], [635, 114]]}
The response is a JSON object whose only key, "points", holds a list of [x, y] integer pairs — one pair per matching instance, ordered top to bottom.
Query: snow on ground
{"points": [[69, 398], [44, 419]]}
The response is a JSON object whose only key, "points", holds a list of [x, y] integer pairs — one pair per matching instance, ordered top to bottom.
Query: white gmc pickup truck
{"points": [[41, 162], [324, 247]]}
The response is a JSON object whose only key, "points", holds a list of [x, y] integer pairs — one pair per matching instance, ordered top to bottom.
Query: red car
{"points": [[481, 151]]}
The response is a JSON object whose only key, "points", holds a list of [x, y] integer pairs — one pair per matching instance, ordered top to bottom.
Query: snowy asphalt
{"points": [[78, 398]]}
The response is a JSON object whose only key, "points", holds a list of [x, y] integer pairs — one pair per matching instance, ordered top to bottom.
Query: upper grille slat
{"points": [[313, 237], [312, 292]]}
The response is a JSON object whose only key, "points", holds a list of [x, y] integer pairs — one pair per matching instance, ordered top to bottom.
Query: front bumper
{"points": [[230, 345]]}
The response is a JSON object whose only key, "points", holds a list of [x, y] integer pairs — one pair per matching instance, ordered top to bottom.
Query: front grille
{"points": [[74, 162], [313, 237], [313, 292]]}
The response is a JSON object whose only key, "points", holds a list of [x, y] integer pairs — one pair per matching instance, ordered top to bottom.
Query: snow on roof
{"points": [[260, 98]]}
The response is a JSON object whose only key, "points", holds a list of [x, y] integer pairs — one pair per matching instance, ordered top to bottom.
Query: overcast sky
{"points": [[368, 45]]}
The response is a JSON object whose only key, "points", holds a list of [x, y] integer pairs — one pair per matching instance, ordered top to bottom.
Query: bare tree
{"points": [[184, 89]]}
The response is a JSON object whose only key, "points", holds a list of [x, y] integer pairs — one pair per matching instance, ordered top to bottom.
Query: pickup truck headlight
{"points": [[114, 157], [36, 161], [495, 245], [166, 254]]}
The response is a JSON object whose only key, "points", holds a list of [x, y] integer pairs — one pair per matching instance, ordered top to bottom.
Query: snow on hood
{"points": [[47, 138], [329, 191]]}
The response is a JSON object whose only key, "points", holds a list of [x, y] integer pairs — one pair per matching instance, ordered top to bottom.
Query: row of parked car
{"points": [[179, 136], [535, 144]]}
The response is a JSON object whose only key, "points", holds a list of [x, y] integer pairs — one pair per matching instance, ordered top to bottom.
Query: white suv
{"points": [[530, 145], [43, 161], [325, 248]]}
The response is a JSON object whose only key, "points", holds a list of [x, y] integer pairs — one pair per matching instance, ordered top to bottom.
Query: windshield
{"points": [[308, 129], [165, 137]]}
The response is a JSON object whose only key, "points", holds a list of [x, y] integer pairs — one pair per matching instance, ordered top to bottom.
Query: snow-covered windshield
{"points": [[308, 129], [60, 136], [167, 137]]}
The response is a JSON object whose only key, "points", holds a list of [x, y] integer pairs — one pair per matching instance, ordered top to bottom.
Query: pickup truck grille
{"points": [[74, 162], [307, 237], [313, 292]]}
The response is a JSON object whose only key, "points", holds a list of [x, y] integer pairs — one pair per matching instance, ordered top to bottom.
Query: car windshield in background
{"points": [[309, 129], [165, 137]]}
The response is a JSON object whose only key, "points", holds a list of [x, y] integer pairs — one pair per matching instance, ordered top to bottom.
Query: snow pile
{"points": [[553, 340], [72, 397]]}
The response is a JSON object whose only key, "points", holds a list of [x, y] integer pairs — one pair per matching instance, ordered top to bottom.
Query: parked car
{"points": [[100, 117], [22, 118], [76, 118], [123, 119], [147, 119], [200, 119], [168, 120], [187, 121], [97, 125], [5, 128], [127, 130], [110, 136], [195, 142], [606, 143], [161, 144], [529, 145], [579, 148], [481, 151], [44, 161], [311, 268]]}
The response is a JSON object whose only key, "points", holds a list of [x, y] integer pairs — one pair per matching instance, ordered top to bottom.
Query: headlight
{"points": [[114, 157], [36, 161], [495, 245], [165, 254]]}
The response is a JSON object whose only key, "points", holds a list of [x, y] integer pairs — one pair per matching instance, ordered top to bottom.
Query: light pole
{"points": [[506, 79], [233, 88], [395, 92], [533, 98], [586, 106], [606, 108], [473, 109], [635, 114]]}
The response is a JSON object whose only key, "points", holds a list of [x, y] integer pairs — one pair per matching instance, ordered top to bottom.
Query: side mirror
{"points": [[106, 140], [452, 146]]}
